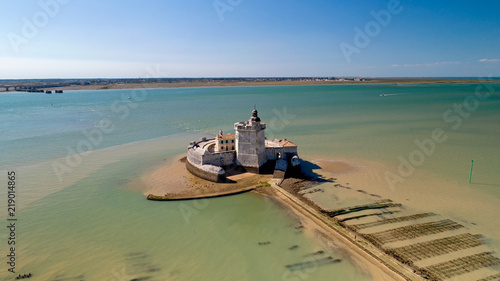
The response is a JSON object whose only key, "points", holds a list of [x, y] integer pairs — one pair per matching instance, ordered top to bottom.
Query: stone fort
{"points": [[248, 148]]}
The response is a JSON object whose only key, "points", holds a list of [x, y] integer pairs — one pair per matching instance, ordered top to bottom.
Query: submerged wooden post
{"points": [[471, 164]]}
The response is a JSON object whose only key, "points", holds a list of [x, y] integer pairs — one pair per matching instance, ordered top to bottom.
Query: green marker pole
{"points": [[471, 164]]}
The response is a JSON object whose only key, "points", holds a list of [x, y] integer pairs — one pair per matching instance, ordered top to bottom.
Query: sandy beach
{"points": [[173, 178], [344, 183], [418, 192], [378, 267]]}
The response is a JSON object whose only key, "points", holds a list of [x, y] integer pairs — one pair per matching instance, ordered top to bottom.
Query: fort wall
{"points": [[285, 152], [219, 158], [207, 172]]}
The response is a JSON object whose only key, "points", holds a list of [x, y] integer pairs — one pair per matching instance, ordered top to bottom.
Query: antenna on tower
{"points": [[254, 107]]}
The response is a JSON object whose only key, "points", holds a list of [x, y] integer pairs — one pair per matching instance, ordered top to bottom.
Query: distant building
{"points": [[224, 142], [248, 148]]}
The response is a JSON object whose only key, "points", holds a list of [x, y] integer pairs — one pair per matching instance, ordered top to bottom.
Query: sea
{"points": [[75, 157]]}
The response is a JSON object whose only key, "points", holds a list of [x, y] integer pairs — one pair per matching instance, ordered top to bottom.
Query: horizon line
{"points": [[254, 77]]}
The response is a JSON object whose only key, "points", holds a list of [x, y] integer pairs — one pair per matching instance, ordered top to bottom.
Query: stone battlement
{"points": [[249, 127]]}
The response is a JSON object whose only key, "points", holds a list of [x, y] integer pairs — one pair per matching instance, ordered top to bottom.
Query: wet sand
{"points": [[173, 178], [350, 182], [343, 183], [422, 191], [368, 259]]}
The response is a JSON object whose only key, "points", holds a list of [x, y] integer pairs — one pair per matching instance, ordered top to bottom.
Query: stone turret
{"points": [[251, 143]]}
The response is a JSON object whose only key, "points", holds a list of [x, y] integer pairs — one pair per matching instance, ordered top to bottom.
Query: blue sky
{"points": [[235, 38]]}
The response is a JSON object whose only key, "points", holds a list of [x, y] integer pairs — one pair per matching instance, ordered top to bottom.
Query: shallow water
{"points": [[87, 221]]}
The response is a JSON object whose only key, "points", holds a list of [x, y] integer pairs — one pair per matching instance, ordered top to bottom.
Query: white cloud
{"points": [[489, 60]]}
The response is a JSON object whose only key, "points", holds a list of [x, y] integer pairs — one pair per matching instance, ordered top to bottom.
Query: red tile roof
{"points": [[226, 137], [286, 143]]}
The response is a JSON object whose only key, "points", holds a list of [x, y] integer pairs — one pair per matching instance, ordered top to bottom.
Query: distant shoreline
{"points": [[114, 84]]}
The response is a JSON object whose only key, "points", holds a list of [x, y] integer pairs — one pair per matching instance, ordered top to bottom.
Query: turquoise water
{"points": [[89, 222]]}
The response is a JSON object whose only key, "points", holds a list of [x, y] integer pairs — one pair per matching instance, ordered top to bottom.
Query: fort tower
{"points": [[251, 143]]}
